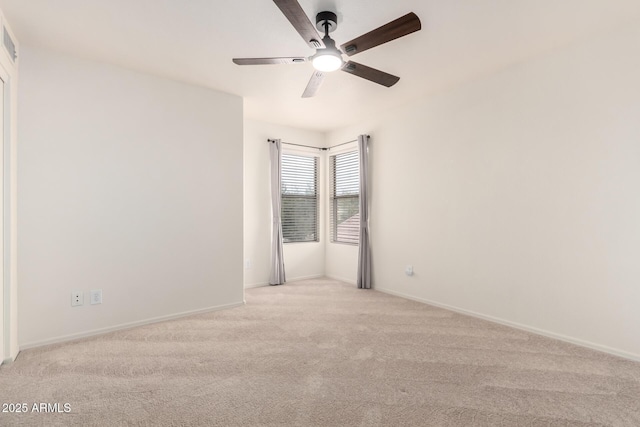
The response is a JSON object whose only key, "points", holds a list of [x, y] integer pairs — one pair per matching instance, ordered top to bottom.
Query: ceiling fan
{"points": [[328, 57]]}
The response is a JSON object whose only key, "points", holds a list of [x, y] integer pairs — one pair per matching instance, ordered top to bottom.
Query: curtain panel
{"points": [[364, 249], [277, 275]]}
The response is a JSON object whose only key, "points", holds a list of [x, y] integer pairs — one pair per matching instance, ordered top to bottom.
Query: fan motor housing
{"points": [[329, 18]]}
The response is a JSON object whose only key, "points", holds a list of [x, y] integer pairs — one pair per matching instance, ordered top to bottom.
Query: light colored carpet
{"points": [[321, 352]]}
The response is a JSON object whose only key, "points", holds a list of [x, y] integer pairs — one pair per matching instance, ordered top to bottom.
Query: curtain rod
{"points": [[317, 148]]}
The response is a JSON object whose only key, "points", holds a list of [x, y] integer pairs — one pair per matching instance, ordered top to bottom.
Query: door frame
{"points": [[5, 279], [8, 282]]}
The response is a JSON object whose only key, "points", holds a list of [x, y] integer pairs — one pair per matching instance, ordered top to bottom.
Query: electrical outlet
{"points": [[248, 264], [408, 270], [96, 297], [77, 298]]}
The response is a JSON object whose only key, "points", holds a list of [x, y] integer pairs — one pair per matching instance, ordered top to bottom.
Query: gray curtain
{"points": [[364, 249], [277, 276]]}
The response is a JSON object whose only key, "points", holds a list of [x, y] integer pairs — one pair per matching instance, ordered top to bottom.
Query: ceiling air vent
{"points": [[9, 44]]}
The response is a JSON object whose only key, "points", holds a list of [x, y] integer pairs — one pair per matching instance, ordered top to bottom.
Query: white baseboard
{"points": [[301, 278], [295, 279], [342, 279], [256, 285], [128, 325], [543, 332]]}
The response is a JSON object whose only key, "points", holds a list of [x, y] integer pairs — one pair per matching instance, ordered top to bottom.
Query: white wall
{"points": [[128, 183], [517, 196], [302, 260]]}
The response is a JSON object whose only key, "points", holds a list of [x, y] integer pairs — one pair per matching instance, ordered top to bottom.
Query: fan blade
{"points": [[294, 13], [407, 24], [263, 61], [376, 76], [314, 84]]}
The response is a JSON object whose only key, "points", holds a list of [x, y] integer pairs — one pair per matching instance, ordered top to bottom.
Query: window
{"points": [[299, 198], [345, 198]]}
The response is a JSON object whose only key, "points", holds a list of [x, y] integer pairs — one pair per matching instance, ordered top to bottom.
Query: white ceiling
{"points": [[194, 41]]}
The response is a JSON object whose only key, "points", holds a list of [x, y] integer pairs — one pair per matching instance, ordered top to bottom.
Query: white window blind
{"points": [[9, 45], [345, 197], [299, 198]]}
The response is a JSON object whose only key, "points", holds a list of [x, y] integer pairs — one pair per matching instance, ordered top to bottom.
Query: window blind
{"points": [[9, 45], [345, 198], [299, 212]]}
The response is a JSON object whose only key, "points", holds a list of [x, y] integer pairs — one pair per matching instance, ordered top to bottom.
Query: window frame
{"points": [[317, 163], [333, 198]]}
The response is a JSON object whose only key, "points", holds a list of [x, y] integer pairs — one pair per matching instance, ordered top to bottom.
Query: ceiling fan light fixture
{"points": [[328, 57], [327, 61]]}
